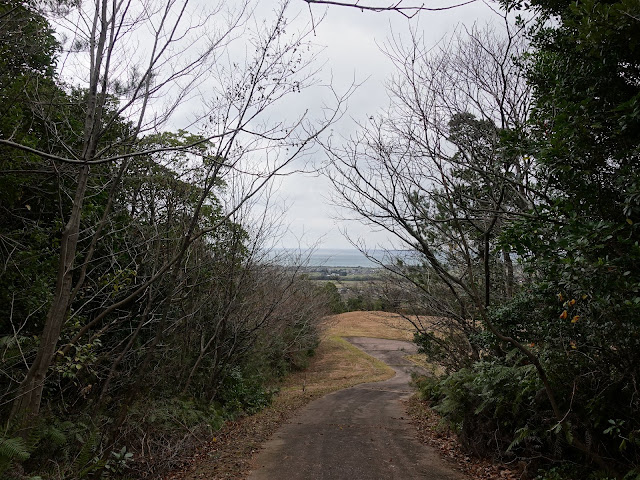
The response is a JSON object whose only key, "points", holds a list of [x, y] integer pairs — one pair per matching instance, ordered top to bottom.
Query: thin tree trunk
{"points": [[508, 266], [116, 362], [27, 403]]}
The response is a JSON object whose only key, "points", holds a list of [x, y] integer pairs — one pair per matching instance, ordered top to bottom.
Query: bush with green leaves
{"points": [[334, 299], [576, 317], [243, 393], [493, 406]]}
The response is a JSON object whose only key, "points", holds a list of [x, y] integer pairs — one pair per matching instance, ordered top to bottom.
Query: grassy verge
{"points": [[421, 360], [337, 365]]}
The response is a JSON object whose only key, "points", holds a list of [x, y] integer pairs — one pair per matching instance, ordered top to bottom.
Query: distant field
{"points": [[337, 275], [346, 279], [347, 283], [370, 324]]}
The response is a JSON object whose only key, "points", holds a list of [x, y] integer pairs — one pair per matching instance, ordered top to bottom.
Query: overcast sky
{"points": [[351, 41], [348, 44]]}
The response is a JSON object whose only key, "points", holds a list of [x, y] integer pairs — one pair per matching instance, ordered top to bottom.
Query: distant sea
{"points": [[344, 257]]}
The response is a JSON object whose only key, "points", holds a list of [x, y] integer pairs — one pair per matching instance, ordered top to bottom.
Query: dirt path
{"points": [[356, 433]]}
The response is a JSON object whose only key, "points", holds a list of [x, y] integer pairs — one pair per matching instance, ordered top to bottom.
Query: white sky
{"points": [[351, 39]]}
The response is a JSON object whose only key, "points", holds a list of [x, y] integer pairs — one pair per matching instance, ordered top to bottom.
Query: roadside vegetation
{"points": [[508, 160], [140, 310], [335, 365]]}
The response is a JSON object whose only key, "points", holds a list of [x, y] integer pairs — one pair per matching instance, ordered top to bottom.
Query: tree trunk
{"points": [[508, 266], [27, 403]]}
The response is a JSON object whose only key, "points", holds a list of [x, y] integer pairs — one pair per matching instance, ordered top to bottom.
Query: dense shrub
{"points": [[495, 408]]}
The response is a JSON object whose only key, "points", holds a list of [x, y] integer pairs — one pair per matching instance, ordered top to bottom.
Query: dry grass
{"points": [[370, 324], [381, 325], [337, 365], [431, 367]]}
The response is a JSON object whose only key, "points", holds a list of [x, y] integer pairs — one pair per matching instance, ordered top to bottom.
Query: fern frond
{"points": [[521, 434], [12, 450]]}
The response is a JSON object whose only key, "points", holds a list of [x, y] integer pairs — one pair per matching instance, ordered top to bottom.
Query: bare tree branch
{"points": [[397, 7]]}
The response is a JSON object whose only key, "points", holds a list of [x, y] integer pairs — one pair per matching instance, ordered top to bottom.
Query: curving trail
{"points": [[359, 433]]}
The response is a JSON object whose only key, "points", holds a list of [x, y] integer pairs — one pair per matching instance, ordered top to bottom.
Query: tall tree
{"points": [[122, 93], [434, 173], [582, 243]]}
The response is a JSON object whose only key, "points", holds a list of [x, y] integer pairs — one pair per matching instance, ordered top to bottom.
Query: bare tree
{"points": [[128, 84], [444, 172], [436, 173]]}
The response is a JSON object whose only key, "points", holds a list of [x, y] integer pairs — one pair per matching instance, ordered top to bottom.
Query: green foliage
{"points": [[27, 43], [29, 202], [580, 245], [367, 301], [336, 305], [202, 339], [448, 347], [428, 387], [243, 393], [494, 407], [168, 415], [70, 449], [12, 450], [87, 460], [117, 464], [561, 472]]}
